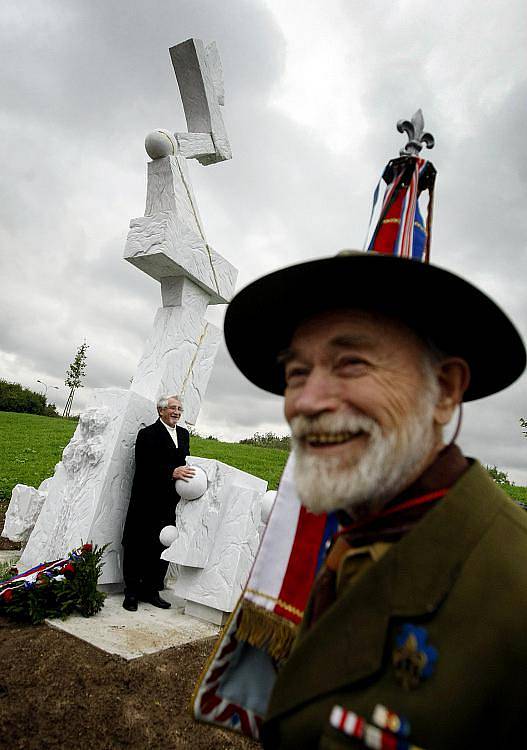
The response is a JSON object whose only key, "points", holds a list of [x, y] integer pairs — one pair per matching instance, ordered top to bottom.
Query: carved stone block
{"points": [[198, 73], [161, 246], [178, 358], [23, 511], [218, 536]]}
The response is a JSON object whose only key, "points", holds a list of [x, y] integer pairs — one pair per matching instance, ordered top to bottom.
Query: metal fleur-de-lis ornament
{"points": [[414, 129]]}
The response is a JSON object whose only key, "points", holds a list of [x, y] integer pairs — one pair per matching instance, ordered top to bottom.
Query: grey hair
{"points": [[433, 353], [431, 357], [162, 401]]}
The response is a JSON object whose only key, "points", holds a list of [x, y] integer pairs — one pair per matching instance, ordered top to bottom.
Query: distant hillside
{"points": [[31, 445]]}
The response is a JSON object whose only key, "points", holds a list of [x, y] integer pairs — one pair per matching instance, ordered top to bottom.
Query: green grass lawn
{"points": [[30, 446], [267, 463], [517, 493]]}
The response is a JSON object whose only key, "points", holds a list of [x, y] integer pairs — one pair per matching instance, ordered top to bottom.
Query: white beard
{"points": [[387, 465]]}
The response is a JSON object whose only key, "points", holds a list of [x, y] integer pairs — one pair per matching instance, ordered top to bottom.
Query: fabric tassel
{"points": [[266, 630]]}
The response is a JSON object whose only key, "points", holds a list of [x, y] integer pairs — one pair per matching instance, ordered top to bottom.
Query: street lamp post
{"points": [[46, 387]]}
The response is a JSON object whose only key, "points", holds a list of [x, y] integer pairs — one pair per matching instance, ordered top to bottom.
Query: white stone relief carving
{"points": [[169, 190], [160, 247], [89, 492], [23, 511], [218, 536]]}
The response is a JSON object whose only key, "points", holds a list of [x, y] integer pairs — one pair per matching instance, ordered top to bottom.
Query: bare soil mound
{"points": [[57, 691]]}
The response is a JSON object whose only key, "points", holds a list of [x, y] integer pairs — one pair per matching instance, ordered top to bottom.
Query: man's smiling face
{"points": [[357, 397], [171, 413]]}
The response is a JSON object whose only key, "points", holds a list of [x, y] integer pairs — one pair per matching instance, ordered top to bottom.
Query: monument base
{"points": [[208, 614]]}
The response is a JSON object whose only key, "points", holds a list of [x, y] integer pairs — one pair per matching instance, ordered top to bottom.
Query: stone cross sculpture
{"points": [[169, 242], [88, 495]]}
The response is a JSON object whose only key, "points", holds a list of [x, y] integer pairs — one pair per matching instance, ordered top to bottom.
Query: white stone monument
{"points": [[87, 498]]}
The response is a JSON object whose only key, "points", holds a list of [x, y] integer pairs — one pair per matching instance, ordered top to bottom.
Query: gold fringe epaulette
{"points": [[266, 630]]}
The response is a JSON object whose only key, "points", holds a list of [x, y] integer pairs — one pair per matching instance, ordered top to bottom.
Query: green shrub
{"points": [[13, 397], [269, 440], [500, 477], [7, 567]]}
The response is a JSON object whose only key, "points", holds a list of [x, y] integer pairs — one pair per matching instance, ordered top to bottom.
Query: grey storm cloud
{"points": [[82, 83]]}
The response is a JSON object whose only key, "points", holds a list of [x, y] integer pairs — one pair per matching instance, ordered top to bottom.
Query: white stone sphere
{"points": [[160, 143], [193, 488], [267, 504], [167, 535]]}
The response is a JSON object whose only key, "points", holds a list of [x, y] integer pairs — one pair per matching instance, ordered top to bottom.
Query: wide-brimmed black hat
{"points": [[441, 307]]}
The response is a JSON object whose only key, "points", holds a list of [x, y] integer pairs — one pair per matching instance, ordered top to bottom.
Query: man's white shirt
{"points": [[172, 431]]}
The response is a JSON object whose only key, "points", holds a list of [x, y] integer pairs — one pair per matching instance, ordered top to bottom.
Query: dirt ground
{"points": [[6, 543], [57, 691]]}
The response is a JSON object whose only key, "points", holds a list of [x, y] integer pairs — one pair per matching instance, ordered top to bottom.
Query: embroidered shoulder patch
{"points": [[413, 658]]}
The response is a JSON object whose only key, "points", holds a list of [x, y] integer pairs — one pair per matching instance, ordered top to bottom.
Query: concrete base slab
{"points": [[209, 614], [134, 634]]}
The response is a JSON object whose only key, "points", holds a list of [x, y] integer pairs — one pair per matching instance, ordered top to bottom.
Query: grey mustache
{"points": [[331, 423]]}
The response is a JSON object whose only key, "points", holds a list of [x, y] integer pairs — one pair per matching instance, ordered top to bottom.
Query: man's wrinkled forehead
{"points": [[357, 328], [336, 343], [173, 403]]}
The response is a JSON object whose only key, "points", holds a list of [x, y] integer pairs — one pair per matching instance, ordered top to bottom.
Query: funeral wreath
{"points": [[55, 589]]}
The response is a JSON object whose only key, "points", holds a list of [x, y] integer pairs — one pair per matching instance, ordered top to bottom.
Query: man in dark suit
{"points": [[160, 452]]}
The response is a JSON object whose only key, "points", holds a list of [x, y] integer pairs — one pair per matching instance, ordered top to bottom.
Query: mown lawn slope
{"points": [[30, 446]]}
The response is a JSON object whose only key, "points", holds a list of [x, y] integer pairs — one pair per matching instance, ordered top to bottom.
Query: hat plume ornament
{"points": [[392, 276]]}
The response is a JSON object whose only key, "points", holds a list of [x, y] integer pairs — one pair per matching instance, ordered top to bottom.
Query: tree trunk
{"points": [[69, 402]]}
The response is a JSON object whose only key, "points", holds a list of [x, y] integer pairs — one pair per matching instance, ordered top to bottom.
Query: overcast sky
{"points": [[312, 94]]}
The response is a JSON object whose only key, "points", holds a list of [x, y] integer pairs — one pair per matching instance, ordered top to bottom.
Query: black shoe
{"points": [[156, 600], [130, 603]]}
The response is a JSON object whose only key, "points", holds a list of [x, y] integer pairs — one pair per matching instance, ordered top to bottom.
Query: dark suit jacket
{"points": [[154, 498], [461, 573]]}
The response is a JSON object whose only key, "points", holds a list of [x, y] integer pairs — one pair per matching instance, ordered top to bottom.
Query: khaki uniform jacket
{"points": [[461, 573]]}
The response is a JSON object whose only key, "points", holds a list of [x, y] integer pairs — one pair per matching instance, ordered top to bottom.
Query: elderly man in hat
{"points": [[414, 633]]}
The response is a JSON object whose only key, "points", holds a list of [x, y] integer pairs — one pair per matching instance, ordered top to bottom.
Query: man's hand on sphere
{"points": [[183, 472]]}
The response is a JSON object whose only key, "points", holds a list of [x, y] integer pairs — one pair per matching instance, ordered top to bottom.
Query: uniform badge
{"points": [[413, 658]]}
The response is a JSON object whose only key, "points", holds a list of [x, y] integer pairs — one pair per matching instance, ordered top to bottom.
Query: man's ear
{"points": [[453, 376]]}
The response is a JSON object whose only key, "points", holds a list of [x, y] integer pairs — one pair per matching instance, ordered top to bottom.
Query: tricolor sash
{"points": [[235, 687]]}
